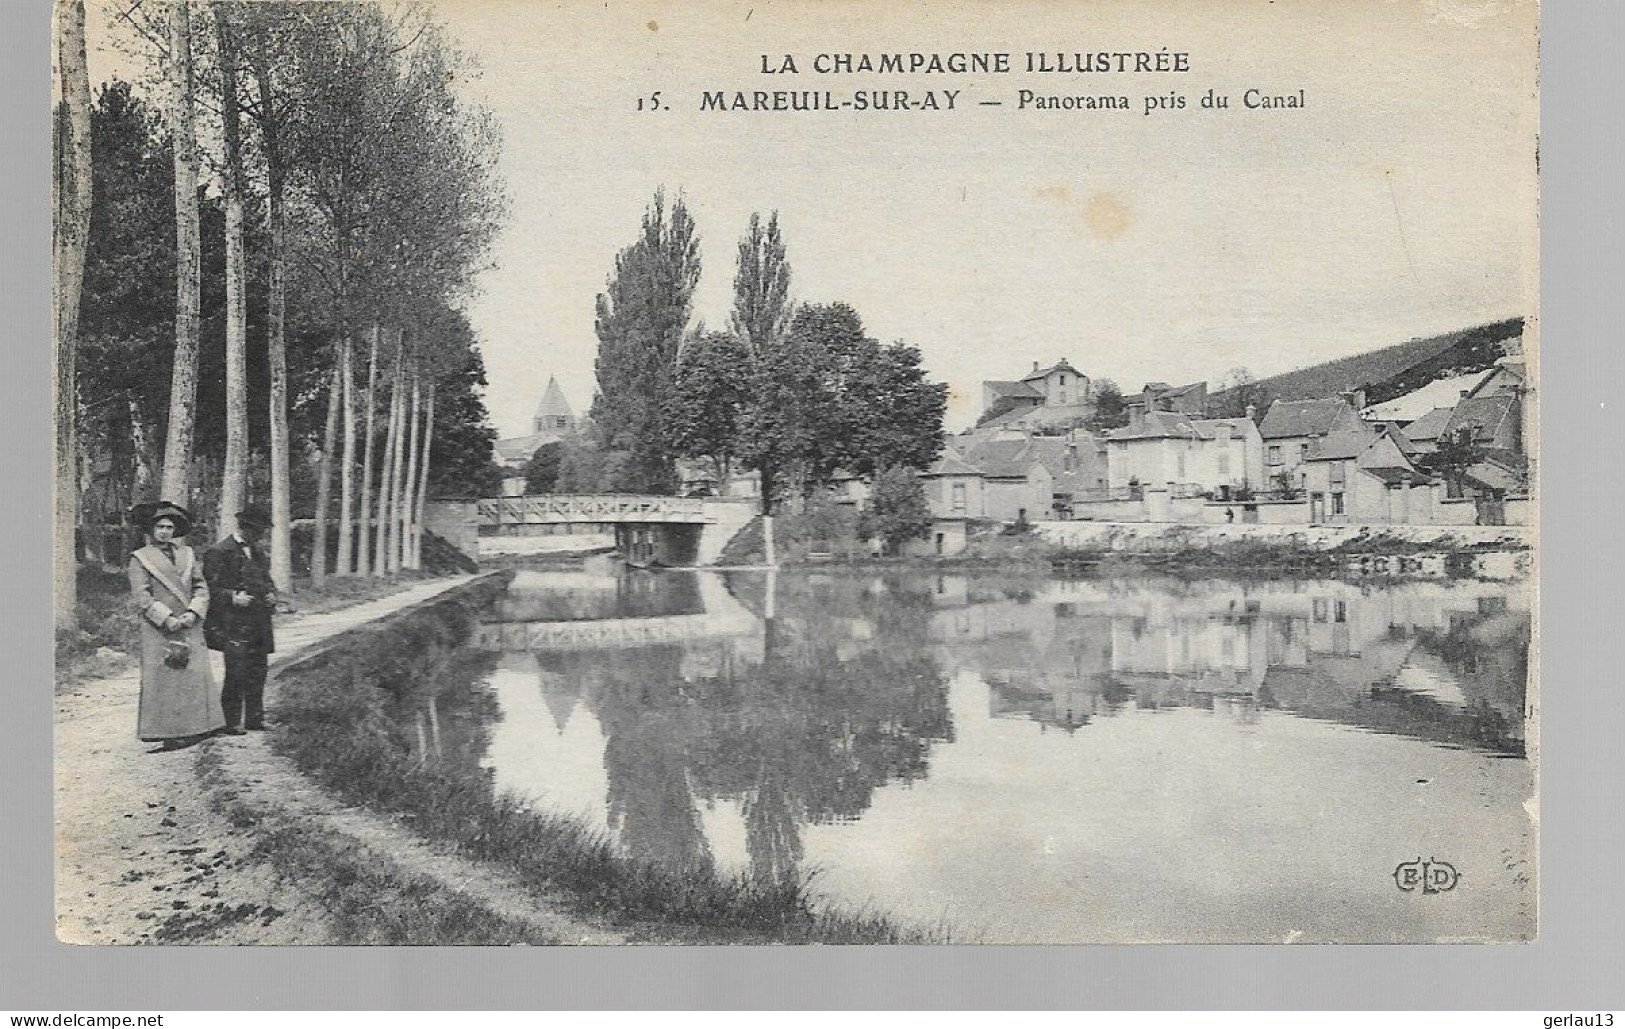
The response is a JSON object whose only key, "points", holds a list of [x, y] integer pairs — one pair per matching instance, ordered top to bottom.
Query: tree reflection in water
{"points": [[839, 697]]}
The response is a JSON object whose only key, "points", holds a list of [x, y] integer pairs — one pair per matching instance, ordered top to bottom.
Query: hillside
{"points": [[1397, 370]]}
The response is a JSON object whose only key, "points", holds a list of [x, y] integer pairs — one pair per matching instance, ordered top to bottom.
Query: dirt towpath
{"points": [[140, 855]]}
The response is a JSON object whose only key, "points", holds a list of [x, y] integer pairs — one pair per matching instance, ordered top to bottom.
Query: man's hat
{"points": [[144, 515], [254, 515]]}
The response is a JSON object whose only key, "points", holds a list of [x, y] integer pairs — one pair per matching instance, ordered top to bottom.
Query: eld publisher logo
{"points": [[1429, 876]]}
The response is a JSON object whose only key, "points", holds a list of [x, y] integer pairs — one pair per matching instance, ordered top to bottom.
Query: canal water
{"points": [[1023, 761]]}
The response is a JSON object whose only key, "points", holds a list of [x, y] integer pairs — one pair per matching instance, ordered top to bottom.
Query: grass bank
{"points": [[338, 708]]}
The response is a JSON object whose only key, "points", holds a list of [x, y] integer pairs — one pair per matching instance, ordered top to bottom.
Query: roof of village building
{"points": [[1038, 373], [1012, 390], [1162, 390], [553, 402], [1054, 415], [1484, 415], [1302, 417], [1173, 424], [1430, 426], [1339, 446], [520, 449], [1000, 459], [950, 463], [1494, 475]]}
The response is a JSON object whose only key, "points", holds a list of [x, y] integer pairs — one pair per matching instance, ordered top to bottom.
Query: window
{"points": [[1303, 452], [1275, 454], [1224, 462], [1339, 472], [959, 496], [1337, 503]]}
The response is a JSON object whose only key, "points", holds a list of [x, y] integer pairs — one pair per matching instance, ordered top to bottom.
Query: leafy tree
{"points": [[127, 310], [761, 311], [641, 318], [712, 387], [1241, 389], [831, 397], [1111, 412], [894, 414], [463, 436], [1453, 455], [542, 470], [896, 511]]}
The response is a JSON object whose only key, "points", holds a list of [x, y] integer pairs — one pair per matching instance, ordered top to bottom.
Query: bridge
{"points": [[606, 509], [676, 531]]}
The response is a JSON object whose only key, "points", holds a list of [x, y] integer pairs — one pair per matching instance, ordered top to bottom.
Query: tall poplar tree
{"points": [[71, 189], [641, 318], [177, 476]]}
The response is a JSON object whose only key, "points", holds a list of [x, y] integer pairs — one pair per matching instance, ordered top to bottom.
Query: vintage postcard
{"points": [[797, 473]]}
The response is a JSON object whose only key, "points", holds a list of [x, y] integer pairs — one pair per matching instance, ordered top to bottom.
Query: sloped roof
{"points": [[1060, 365], [1002, 388], [553, 402], [1483, 414], [1049, 415], [1302, 417], [1173, 424], [1159, 425], [1430, 426], [1339, 446], [522, 448], [999, 458], [951, 463], [1493, 476]]}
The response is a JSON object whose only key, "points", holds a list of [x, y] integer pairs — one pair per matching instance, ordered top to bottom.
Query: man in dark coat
{"points": [[239, 620]]}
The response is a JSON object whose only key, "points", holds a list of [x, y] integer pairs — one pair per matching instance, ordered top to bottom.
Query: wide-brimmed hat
{"points": [[144, 515], [254, 515]]}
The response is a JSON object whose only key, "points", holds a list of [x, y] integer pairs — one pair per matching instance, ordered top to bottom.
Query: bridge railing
{"points": [[573, 507]]}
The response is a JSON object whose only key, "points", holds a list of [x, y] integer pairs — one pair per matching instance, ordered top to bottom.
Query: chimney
{"points": [[1035, 367], [1464, 393], [1355, 398], [1252, 412]]}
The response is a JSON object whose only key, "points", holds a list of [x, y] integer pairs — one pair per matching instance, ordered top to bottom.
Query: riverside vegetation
{"points": [[338, 707]]}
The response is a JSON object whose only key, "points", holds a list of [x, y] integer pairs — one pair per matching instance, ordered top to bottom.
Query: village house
{"points": [[1190, 399], [1047, 400], [1291, 427], [1188, 456], [1038, 477], [1365, 477]]}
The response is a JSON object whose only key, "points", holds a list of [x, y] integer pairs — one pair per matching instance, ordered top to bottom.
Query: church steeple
{"points": [[553, 414]]}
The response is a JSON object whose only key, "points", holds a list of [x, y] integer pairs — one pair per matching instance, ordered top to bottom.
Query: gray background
{"points": [[1582, 701]]}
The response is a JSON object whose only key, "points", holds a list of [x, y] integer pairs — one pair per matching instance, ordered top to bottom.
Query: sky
{"points": [[1174, 245]]}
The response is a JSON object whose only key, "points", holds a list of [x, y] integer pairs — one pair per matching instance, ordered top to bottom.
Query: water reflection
{"points": [[1444, 663], [799, 723], [769, 725]]}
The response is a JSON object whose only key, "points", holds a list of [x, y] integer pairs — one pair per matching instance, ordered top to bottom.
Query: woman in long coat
{"points": [[178, 698]]}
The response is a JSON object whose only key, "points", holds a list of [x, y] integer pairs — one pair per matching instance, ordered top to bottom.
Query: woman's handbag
{"points": [[177, 654]]}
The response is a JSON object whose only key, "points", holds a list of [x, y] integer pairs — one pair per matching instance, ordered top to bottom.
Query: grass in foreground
{"points": [[336, 708], [367, 903]]}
